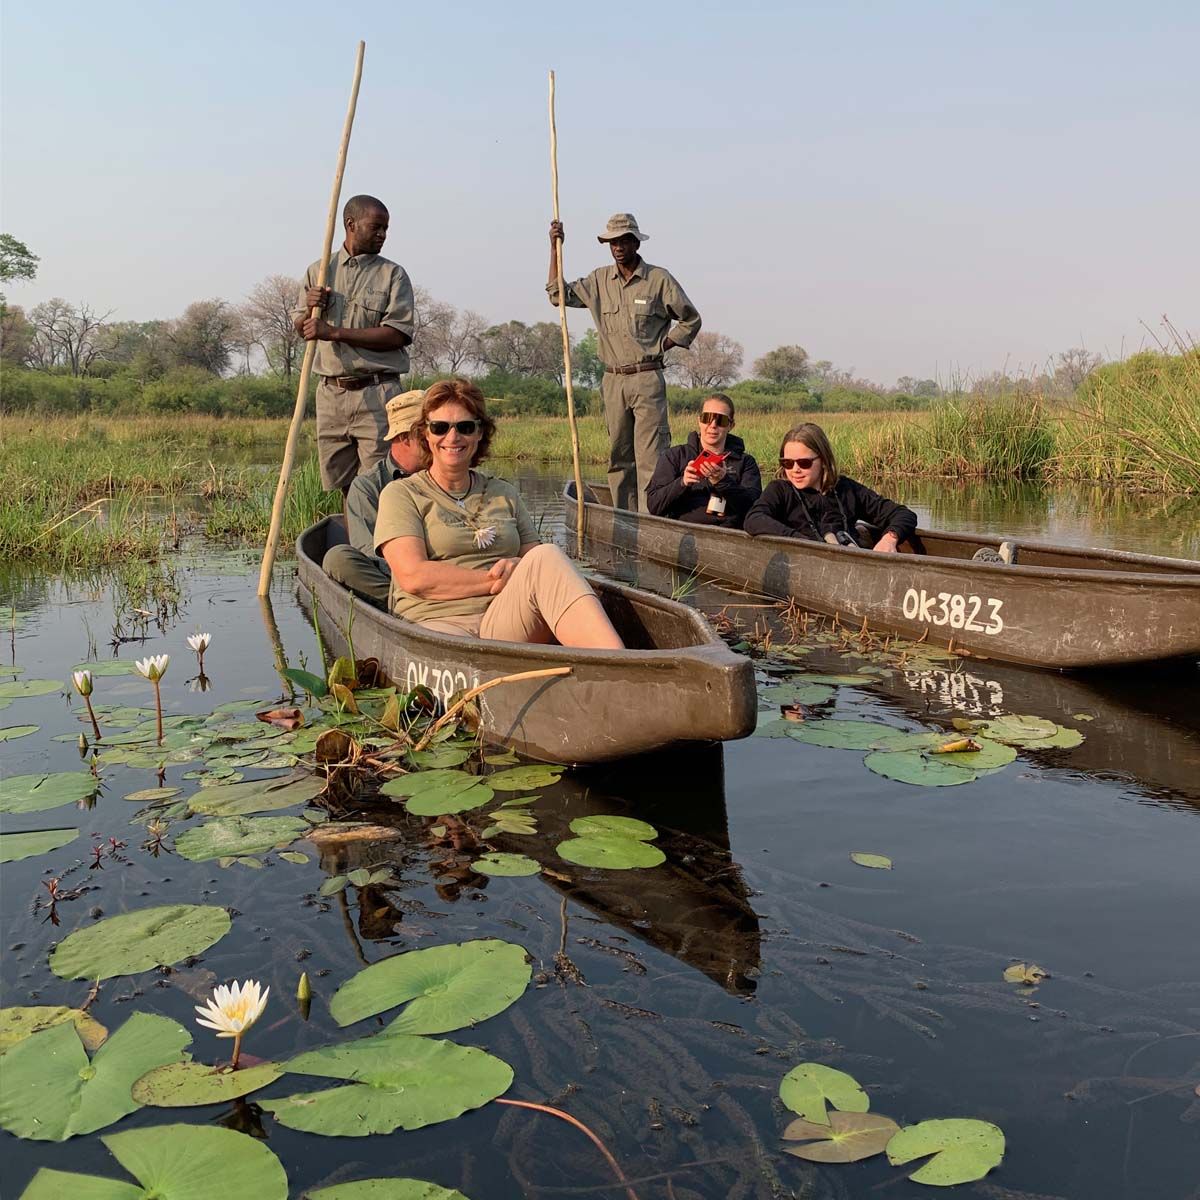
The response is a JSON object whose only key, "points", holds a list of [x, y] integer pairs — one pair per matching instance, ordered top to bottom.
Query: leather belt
{"points": [[655, 364], [355, 383]]}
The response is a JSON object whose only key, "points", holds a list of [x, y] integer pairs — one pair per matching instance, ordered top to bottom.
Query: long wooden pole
{"points": [[566, 337], [310, 347]]}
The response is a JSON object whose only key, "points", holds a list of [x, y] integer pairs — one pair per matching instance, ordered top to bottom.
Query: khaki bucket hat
{"points": [[619, 224], [403, 412]]}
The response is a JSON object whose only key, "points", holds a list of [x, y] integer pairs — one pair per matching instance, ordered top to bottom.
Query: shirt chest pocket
{"points": [[366, 308], [648, 316]]}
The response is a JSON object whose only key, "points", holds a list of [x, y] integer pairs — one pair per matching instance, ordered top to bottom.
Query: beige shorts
{"points": [[351, 429], [543, 585]]}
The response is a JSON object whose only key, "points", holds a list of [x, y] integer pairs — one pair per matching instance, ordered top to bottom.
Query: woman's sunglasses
{"points": [[722, 420], [440, 428], [803, 463]]}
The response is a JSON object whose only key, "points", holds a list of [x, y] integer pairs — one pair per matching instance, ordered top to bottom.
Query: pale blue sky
{"points": [[899, 187]]}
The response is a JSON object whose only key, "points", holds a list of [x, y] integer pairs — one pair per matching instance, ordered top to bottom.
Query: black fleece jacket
{"points": [[669, 496], [780, 511]]}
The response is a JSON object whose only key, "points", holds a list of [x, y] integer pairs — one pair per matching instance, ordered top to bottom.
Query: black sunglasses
{"points": [[722, 420], [439, 428], [803, 463]]}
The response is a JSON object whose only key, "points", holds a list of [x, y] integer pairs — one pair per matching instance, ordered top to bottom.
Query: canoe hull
{"points": [[1066, 609], [690, 688]]}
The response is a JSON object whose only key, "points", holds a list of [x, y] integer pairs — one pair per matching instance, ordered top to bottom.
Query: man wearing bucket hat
{"points": [[633, 305], [356, 565]]}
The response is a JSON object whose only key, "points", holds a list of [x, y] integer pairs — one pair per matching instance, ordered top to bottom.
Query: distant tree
{"points": [[16, 259], [428, 314], [266, 317], [16, 336], [65, 336], [204, 336], [455, 337], [140, 345], [519, 349], [712, 361], [783, 365], [586, 366], [1072, 367], [823, 374], [920, 389]]}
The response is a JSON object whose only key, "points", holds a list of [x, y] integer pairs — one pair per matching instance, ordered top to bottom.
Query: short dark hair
{"points": [[357, 207], [448, 391], [724, 399]]}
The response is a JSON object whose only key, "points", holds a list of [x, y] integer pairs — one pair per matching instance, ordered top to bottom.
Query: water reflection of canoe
{"points": [[1059, 606], [678, 683]]}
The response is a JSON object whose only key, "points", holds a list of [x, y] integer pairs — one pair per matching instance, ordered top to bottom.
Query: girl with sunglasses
{"points": [[711, 493], [810, 499], [463, 550]]}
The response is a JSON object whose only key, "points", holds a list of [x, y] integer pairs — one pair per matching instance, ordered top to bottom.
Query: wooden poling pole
{"points": [[566, 337], [310, 348]]}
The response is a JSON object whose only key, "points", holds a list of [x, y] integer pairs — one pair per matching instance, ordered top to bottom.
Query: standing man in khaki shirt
{"points": [[632, 305], [362, 339]]}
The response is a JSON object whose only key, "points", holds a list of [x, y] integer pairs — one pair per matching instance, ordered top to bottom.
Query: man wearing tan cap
{"points": [[632, 305], [362, 333], [356, 565]]}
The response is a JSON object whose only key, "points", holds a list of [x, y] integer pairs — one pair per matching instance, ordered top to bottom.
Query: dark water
{"points": [[757, 946]]}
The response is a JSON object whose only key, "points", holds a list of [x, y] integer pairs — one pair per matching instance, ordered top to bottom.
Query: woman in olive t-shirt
{"points": [[463, 551]]}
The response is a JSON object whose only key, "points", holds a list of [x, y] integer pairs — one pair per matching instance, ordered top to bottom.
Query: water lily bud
{"points": [[152, 668], [82, 681], [83, 745], [304, 989]]}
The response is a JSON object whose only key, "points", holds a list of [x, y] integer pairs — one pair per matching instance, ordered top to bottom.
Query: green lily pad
{"points": [[110, 666], [855, 680], [16, 688], [798, 693], [771, 725], [1017, 730], [10, 733], [844, 734], [1064, 739], [439, 756], [989, 757], [504, 758], [911, 766], [524, 779], [36, 793], [435, 793], [148, 794], [256, 796], [511, 822], [605, 826], [231, 837], [16, 846], [612, 853], [293, 856], [880, 862], [505, 864], [333, 885], [138, 941], [451, 987], [16, 1024], [398, 1082], [182, 1084], [806, 1089], [52, 1092], [849, 1137], [964, 1150], [174, 1162], [385, 1189]]}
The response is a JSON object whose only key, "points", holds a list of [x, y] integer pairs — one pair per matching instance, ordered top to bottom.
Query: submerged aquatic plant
{"points": [[153, 669], [83, 685], [232, 1010]]}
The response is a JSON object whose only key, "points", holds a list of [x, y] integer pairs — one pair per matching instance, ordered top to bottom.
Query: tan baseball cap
{"points": [[619, 224], [403, 412]]}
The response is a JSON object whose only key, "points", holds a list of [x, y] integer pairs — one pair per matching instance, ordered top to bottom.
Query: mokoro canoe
{"points": [[1058, 606], [678, 682]]}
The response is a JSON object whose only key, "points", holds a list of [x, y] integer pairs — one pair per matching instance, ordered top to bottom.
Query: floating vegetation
{"points": [[16, 689], [10, 732], [440, 792], [37, 793], [256, 796], [237, 837], [614, 843], [16, 846], [880, 862], [513, 865], [139, 941], [1029, 974], [16, 1024], [184, 1084], [806, 1090], [848, 1137], [963, 1150], [385, 1189]]}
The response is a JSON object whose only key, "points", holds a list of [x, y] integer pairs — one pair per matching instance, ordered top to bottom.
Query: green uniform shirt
{"points": [[368, 291], [632, 317], [362, 504], [453, 531]]}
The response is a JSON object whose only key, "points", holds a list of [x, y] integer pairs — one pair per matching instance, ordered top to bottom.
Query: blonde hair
{"points": [[813, 436]]}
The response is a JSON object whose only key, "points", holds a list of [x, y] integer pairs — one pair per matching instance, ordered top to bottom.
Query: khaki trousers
{"points": [[635, 410], [350, 430], [364, 574], [542, 587]]}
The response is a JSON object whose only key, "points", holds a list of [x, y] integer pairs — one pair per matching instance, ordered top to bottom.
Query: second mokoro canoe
{"points": [[1057, 606], [677, 682]]}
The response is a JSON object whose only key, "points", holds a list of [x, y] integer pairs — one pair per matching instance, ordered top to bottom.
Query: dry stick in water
{"points": [[566, 337], [310, 348], [467, 697], [558, 1112]]}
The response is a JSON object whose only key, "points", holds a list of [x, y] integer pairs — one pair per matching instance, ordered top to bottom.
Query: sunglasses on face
{"points": [[721, 420], [441, 428], [803, 463]]}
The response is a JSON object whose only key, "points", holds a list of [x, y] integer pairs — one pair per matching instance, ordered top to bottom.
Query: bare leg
{"points": [[586, 625]]}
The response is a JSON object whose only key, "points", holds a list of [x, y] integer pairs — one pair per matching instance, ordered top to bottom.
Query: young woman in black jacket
{"points": [[716, 494], [812, 500]]}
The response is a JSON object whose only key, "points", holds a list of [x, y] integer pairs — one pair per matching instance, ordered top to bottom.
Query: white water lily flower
{"points": [[485, 537], [199, 641], [152, 668], [82, 681], [233, 1009]]}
